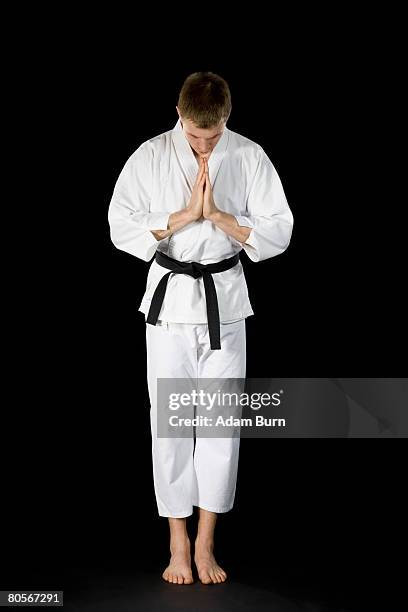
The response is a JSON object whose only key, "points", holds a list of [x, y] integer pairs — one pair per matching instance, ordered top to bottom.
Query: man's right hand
{"points": [[195, 206], [190, 213]]}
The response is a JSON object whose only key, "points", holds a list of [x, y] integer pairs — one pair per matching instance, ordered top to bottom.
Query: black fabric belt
{"points": [[196, 270]]}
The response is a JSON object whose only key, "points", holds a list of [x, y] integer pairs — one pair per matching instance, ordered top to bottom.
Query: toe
{"points": [[168, 576], [205, 578], [179, 579]]}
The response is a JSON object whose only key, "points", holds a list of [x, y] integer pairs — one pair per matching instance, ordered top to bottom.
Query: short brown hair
{"points": [[205, 99]]}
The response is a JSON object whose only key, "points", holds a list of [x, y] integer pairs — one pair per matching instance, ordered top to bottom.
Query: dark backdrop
{"points": [[318, 515]]}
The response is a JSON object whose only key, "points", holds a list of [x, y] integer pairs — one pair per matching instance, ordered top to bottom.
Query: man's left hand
{"points": [[209, 207]]}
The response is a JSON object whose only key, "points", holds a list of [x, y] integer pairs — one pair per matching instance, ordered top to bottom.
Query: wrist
{"points": [[191, 215], [212, 215], [161, 234]]}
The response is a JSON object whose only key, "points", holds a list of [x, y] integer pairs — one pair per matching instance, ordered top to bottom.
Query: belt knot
{"points": [[196, 270]]}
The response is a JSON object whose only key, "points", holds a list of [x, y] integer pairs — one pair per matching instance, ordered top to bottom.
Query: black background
{"points": [[312, 517]]}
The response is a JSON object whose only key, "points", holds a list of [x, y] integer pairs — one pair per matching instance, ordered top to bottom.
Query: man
{"points": [[195, 196]]}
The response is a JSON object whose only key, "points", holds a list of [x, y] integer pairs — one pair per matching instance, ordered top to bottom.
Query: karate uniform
{"points": [[157, 180]]}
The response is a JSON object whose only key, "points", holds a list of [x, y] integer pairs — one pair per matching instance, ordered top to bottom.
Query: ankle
{"points": [[179, 542], [204, 544]]}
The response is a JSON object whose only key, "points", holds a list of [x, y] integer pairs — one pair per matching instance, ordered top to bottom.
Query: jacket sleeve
{"points": [[267, 213], [129, 215]]}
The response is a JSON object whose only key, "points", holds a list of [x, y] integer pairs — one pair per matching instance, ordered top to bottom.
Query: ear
{"points": [[178, 112]]}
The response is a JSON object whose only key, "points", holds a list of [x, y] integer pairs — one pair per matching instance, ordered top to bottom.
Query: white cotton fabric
{"points": [[158, 179], [184, 477]]}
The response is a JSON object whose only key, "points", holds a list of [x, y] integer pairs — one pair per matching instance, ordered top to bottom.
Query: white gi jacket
{"points": [[158, 179]]}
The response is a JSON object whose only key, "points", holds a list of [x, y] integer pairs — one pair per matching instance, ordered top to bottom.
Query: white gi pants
{"points": [[206, 475]]}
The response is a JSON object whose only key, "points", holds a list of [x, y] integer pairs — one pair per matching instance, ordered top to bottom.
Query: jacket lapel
{"points": [[189, 163]]}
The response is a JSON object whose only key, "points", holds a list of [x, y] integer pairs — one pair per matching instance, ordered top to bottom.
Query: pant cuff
{"points": [[218, 510], [167, 514]]}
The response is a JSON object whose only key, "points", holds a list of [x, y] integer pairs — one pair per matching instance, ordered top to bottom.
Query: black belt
{"points": [[196, 270]]}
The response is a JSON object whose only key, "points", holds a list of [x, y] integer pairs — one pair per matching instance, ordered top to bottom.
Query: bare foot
{"points": [[179, 568], [208, 569]]}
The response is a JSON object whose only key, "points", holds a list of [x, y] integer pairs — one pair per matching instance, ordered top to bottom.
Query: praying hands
{"points": [[202, 205]]}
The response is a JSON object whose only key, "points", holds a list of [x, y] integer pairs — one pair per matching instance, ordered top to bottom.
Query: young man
{"points": [[195, 196]]}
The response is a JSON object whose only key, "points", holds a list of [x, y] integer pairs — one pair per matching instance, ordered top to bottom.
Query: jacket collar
{"points": [[187, 159]]}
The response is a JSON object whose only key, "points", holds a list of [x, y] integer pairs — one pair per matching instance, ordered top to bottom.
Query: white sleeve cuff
{"points": [[157, 221], [244, 221], [149, 247], [251, 247]]}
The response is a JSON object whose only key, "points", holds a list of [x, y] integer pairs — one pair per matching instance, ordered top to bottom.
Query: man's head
{"points": [[204, 106]]}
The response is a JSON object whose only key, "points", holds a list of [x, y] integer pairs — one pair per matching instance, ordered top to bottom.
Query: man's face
{"points": [[201, 141]]}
